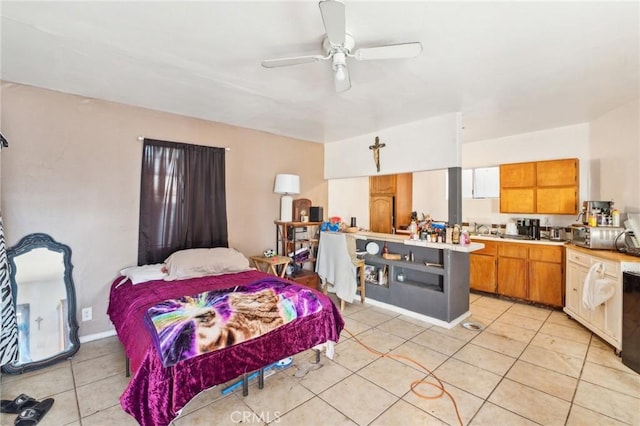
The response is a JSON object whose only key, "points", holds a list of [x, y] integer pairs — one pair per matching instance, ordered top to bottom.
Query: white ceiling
{"points": [[509, 67]]}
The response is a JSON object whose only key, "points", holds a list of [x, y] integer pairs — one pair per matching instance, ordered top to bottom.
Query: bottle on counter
{"points": [[615, 217], [593, 218], [413, 230], [455, 235]]}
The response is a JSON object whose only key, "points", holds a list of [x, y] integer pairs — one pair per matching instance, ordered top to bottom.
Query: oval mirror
{"points": [[44, 297]]}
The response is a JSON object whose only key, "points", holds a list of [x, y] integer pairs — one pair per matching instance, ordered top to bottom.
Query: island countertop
{"points": [[404, 239]]}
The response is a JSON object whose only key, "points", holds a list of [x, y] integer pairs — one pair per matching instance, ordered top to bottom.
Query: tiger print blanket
{"points": [[189, 326]]}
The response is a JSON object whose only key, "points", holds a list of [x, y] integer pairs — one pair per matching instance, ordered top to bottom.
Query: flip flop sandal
{"points": [[21, 402], [32, 416]]}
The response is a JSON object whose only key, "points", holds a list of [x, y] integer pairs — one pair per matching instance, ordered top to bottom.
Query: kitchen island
{"points": [[425, 280]]}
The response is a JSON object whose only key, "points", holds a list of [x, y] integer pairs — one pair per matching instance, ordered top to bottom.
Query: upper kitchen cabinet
{"points": [[557, 186], [544, 187], [517, 188], [390, 201]]}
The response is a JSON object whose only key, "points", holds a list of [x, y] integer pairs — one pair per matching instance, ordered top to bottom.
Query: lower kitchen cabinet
{"points": [[483, 268], [532, 272], [606, 319]]}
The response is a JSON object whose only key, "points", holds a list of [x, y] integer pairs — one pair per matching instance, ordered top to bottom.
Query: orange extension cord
{"points": [[416, 383]]}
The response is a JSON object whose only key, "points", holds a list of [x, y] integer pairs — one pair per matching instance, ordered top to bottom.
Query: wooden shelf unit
{"points": [[287, 241]]}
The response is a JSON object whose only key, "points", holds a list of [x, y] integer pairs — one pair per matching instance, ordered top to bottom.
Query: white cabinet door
{"points": [[574, 281]]}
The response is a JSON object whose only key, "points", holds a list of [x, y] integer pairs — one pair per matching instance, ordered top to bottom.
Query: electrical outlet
{"points": [[87, 314]]}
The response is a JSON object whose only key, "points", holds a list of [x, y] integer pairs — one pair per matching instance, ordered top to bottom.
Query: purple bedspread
{"points": [[156, 393]]}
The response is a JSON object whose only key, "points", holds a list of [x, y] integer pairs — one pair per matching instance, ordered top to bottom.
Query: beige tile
{"points": [[474, 297], [493, 303], [530, 311], [484, 312], [372, 317], [560, 318], [415, 321], [520, 321], [353, 327], [401, 328], [510, 331], [459, 332], [580, 335], [379, 340], [439, 342], [599, 343], [501, 344], [558, 344], [98, 348], [350, 354], [418, 357], [606, 357], [485, 358], [556, 361], [98, 368], [391, 375], [468, 377], [6, 378], [323, 378], [611, 378], [542, 379], [40, 384], [101, 394], [281, 394], [206, 397], [347, 397], [530, 403], [613, 404], [442, 407], [228, 411], [312, 412], [403, 413], [492, 415], [110, 416], [580, 416]]}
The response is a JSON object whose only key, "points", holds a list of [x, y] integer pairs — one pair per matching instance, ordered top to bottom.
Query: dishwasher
{"points": [[631, 320]]}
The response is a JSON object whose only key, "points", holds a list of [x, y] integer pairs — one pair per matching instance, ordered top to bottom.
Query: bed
{"points": [[165, 377]]}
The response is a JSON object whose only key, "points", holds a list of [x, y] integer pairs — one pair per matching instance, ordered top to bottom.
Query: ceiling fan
{"points": [[338, 46]]}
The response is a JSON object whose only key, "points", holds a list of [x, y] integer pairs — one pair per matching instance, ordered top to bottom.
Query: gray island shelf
{"points": [[435, 285]]}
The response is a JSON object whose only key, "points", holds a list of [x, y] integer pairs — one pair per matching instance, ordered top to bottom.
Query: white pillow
{"points": [[205, 261], [144, 273]]}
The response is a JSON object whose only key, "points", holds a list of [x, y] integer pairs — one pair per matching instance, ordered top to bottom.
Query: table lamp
{"points": [[285, 185]]}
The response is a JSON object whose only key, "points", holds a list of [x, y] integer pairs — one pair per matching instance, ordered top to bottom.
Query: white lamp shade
{"points": [[287, 184]]}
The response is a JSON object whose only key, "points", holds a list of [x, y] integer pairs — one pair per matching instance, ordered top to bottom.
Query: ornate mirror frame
{"points": [[25, 245]]}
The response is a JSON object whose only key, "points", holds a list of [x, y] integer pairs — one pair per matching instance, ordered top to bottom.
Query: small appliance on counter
{"points": [[595, 213], [529, 228], [556, 233], [596, 237]]}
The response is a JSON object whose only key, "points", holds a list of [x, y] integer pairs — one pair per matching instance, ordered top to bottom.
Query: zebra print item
{"points": [[9, 330]]}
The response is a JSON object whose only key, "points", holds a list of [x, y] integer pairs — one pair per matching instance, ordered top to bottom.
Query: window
{"points": [[481, 182]]}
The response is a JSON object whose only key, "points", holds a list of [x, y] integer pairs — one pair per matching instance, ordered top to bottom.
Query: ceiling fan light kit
{"points": [[338, 45]]}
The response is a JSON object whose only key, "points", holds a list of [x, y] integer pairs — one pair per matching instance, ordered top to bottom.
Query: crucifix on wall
{"points": [[376, 152]]}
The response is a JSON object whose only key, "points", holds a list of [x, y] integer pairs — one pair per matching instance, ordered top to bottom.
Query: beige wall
{"points": [[614, 148], [72, 170]]}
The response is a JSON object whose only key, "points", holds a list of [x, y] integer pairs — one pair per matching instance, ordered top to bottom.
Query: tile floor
{"points": [[528, 366]]}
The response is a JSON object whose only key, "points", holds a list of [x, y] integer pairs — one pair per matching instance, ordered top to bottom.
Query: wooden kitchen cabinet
{"points": [[547, 187], [390, 201], [483, 268], [512, 270], [532, 272], [606, 319]]}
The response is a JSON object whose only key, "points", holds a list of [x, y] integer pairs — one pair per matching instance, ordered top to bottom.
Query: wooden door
{"points": [[557, 172], [518, 175], [385, 184], [518, 188], [404, 199], [517, 200], [557, 200], [381, 213], [512, 270], [482, 273], [575, 278], [546, 283]]}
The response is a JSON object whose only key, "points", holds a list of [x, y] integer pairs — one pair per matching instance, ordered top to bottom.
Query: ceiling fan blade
{"points": [[333, 17], [393, 51], [296, 60], [342, 83]]}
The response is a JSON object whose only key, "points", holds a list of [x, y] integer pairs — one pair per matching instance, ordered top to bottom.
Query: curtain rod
{"points": [[141, 138]]}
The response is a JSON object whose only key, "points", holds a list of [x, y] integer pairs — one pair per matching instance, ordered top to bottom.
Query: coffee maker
{"points": [[529, 228]]}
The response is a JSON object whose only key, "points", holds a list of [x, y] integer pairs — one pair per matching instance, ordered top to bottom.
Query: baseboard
{"points": [[421, 317], [97, 336]]}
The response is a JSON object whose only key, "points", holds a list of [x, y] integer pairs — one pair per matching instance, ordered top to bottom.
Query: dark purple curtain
{"points": [[182, 199]]}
